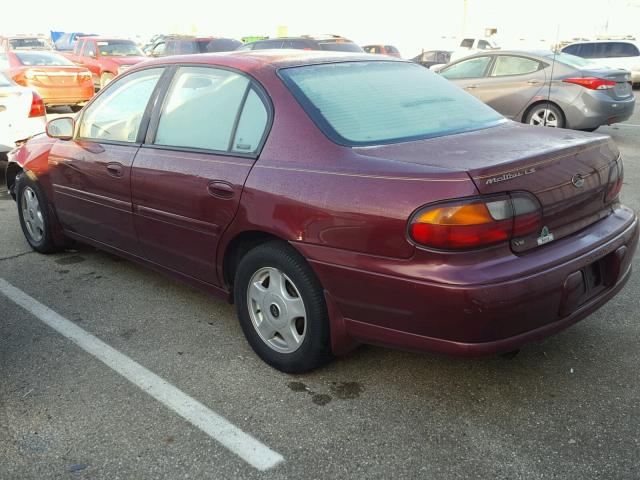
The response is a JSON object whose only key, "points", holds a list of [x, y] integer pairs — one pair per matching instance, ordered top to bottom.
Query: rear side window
{"points": [[467, 43], [484, 45], [340, 46], [391, 49], [622, 49], [89, 50], [507, 65], [472, 68], [376, 102], [202, 110], [251, 125]]}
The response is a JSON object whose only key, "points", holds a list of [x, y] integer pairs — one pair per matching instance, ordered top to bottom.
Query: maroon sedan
{"points": [[337, 199]]}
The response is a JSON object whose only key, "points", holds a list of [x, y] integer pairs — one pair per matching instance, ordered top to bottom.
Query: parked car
{"points": [[67, 41], [25, 42], [327, 42], [183, 45], [469, 46], [382, 50], [613, 53], [105, 57], [433, 57], [56, 79], [581, 95], [22, 114], [406, 219]]}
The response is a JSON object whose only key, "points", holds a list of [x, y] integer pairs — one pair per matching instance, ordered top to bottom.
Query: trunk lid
{"points": [[567, 171]]}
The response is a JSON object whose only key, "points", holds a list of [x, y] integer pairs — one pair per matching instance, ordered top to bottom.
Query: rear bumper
{"points": [[67, 95], [593, 109], [402, 311]]}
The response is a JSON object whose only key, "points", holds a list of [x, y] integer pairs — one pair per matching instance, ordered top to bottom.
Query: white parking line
{"points": [[242, 444]]}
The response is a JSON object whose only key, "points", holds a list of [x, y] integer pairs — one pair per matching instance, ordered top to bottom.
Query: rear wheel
{"points": [[105, 78], [545, 115], [34, 216], [281, 308]]}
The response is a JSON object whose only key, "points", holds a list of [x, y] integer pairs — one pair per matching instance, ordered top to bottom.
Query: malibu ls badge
{"points": [[510, 175]]}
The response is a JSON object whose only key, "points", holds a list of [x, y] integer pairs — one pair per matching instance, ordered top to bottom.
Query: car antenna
{"points": [[553, 65]]}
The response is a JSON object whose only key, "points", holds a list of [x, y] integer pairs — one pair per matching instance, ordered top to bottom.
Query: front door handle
{"points": [[534, 82], [470, 87], [115, 169], [221, 189]]}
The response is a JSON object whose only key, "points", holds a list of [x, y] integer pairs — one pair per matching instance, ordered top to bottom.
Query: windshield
{"points": [[28, 43], [119, 48], [31, 59], [573, 61], [375, 102]]}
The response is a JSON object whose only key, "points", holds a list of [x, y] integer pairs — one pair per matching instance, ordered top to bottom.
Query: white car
{"points": [[469, 46], [623, 54], [22, 114]]}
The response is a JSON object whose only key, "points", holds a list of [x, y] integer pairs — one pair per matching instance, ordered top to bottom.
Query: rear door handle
{"points": [[534, 82], [469, 87], [115, 169]]}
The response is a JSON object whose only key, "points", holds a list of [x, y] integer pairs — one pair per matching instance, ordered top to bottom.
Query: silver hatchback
{"points": [[546, 88]]}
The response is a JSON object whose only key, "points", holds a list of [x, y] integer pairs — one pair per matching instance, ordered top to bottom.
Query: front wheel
{"points": [[545, 115], [34, 215], [281, 307]]}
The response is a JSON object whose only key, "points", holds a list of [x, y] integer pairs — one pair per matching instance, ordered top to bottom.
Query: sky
{"points": [[409, 24]]}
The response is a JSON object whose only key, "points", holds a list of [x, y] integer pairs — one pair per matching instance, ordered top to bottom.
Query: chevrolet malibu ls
{"points": [[337, 199]]}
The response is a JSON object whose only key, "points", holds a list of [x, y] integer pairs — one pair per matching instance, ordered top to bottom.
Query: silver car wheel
{"points": [[544, 117], [32, 214], [277, 310]]}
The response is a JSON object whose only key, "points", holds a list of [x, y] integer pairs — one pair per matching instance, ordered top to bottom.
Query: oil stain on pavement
{"points": [[340, 390]]}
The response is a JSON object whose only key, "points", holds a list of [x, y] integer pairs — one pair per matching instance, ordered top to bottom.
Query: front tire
{"points": [[545, 115], [33, 212], [281, 307]]}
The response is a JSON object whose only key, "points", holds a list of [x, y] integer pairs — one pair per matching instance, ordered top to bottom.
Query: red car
{"points": [[105, 57], [57, 80], [331, 214]]}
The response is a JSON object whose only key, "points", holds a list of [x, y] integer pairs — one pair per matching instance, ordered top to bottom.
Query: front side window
{"points": [[159, 49], [89, 50], [507, 65], [472, 68], [376, 102], [201, 108], [116, 114]]}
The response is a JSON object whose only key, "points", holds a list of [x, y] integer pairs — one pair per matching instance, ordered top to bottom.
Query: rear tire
{"points": [[545, 115], [33, 212], [281, 307]]}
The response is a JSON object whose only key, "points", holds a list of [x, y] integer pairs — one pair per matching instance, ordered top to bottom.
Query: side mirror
{"points": [[61, 128]]}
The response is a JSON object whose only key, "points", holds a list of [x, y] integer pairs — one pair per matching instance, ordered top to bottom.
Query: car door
{"points": [[89, 60], [469, 73], [512, 83], [91, 174], [188, 176]]}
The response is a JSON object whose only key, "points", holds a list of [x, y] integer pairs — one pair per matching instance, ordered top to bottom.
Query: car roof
{"points": [[251, 60]]}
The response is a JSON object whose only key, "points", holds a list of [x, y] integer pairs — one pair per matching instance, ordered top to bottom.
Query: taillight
{"points": [[592, 83], [37, 106], [616, 177], [477, 222]]}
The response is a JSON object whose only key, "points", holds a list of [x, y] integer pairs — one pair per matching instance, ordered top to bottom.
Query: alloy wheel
{"points": [[544, 117], [32, 214], [277, 310]]}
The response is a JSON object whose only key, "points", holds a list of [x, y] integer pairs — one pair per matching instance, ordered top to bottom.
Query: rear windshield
{"points": [[339, 46], [118, 48], [41, 59], [573, 60], [376, 102]]}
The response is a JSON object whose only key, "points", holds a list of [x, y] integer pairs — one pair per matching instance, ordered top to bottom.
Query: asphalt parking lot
{"points": [[565, 407]]}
